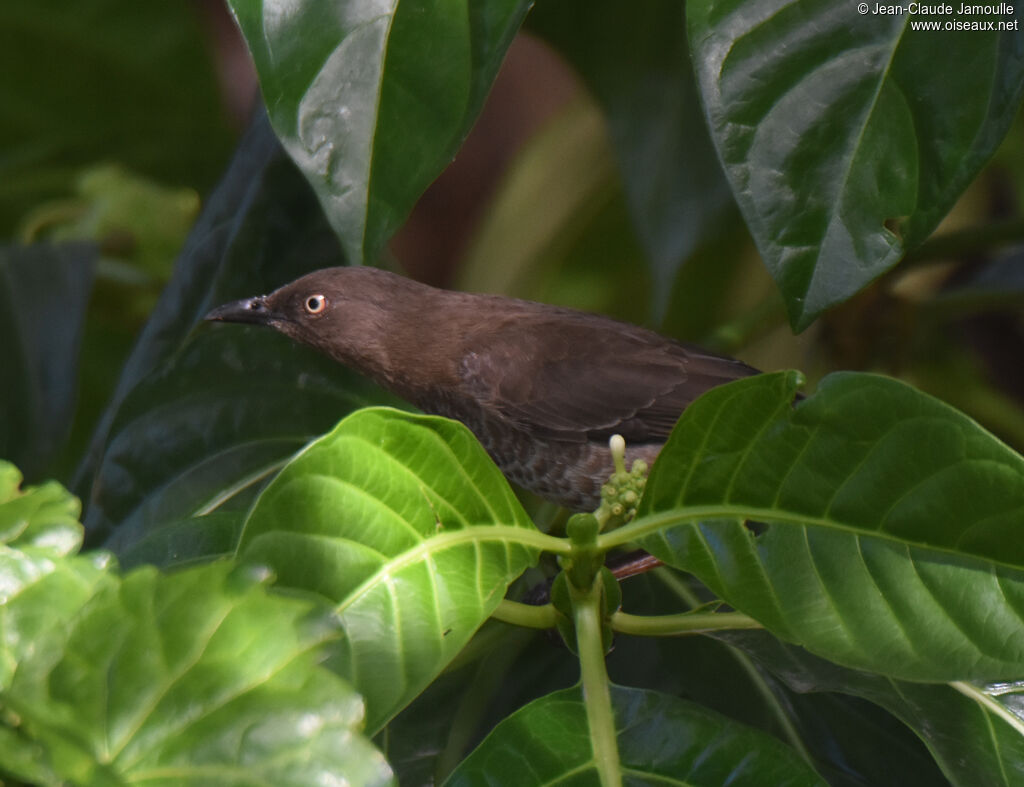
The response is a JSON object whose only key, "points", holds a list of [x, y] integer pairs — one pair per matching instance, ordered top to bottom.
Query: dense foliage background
{"points": [[802, 185]]}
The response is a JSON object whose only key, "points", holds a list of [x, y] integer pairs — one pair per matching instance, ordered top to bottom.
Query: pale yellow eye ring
{"points": [[315, 304]]}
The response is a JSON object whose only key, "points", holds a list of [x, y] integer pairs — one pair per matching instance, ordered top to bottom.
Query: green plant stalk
{"points": [[949, 245], [527, 615], [683, 623], [594, 680]]}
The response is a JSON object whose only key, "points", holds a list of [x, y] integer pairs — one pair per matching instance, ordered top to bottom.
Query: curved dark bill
{"points": [[250, 310]]}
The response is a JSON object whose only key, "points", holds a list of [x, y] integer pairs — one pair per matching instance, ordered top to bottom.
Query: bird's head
{"points": [[344, 312]]}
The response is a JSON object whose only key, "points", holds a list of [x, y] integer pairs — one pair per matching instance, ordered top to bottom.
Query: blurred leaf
{"points": [[637, 65], [104, 80], [346, 82], [836, 131], [130, 216], [558, 229], [998, 284], [44, 291], [198, 418], [45, 516], [404, 522], [892, 536], [39, 590], [197, 678], [974, 739], [661, 740]]}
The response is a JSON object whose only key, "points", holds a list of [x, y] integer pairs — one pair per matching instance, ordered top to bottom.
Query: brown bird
{"points": [[542, 387]]}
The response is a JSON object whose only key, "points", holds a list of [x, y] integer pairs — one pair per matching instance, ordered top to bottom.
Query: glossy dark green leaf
{"points": [[637, 65], [107, 79], [372, 100], [838, 129], [44, 291], [199, 418], [212, 424], [406, 525], [891, 536], [181, 542], [196, 678], [976, 735], [428, 739], [662, 740], [849, 741]]}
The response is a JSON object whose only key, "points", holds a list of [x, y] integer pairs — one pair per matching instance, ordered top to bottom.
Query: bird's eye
{"points": [[316, 304]]}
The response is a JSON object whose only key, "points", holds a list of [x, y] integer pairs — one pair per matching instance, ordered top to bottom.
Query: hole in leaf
{"points": [[894, 225]]}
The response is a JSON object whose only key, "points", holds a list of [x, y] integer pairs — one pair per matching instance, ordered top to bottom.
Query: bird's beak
{"points": [[248, 310]]}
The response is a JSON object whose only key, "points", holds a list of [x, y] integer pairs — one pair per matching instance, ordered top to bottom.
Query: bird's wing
{"points": [[589, 378]]}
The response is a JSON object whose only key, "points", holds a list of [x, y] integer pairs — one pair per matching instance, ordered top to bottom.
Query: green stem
{"points": [[964, 241], [526, 615], [683, 623], [594, 679]]}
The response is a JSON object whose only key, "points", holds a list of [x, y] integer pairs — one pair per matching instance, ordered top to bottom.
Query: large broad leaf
{"points": [[637, 65], [87, 82], [372, 99], [848, 136], [44, 291], [197, 419], [212, 424], [45, 516], [408, 527], [891, 535], [41, 585], [196, 678], [976, 734], [662, 740], [850, 741]]}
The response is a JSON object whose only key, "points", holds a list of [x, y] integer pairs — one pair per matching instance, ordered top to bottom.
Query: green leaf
{"points": [[637, 65], [88, 82], [346, 83], [837, 133], [44, 291], [198, 419], [205, 431], [45, 517], [892, 523], [408, 527], [179, 543], [41, 586], [41, 595], [196, 678], [976, 735], [662, 740], [849, 741]]}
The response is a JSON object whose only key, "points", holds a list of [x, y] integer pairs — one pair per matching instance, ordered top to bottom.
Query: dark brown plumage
{"points": [[543, 388]]}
